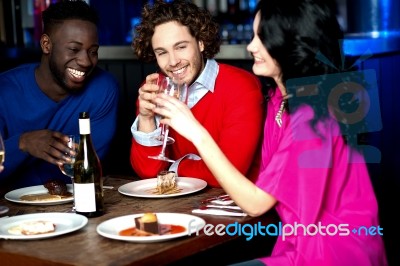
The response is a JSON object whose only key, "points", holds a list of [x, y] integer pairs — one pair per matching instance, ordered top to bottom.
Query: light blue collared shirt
{"points": [[203, 84]]}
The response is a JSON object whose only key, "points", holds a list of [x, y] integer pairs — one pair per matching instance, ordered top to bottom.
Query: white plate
{"points": [[142, 188], [15, 195], [3, 209], [64, 222], [112, 227]]}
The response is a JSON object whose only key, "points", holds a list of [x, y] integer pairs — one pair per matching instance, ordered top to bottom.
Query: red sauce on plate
{"points": [[165, 229]]}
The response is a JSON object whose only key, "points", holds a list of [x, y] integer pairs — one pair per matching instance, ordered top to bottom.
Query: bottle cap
{"points": [[84, 115]]}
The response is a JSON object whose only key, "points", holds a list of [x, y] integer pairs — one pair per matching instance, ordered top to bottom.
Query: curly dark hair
{"points": [[67, 9], [200, 22], [305, 39]]}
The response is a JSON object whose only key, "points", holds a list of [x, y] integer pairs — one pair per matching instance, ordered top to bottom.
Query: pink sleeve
{"points": [[298, 171]]}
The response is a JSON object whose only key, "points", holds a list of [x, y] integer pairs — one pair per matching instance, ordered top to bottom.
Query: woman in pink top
{"points": [[311, 170]]}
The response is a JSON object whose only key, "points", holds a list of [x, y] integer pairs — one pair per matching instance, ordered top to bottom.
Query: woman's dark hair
{"points": [[67, 9], [201, 25], [295, 31], [304, 37]]}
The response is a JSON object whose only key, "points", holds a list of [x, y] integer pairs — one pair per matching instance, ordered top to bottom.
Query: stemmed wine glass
{"points": [[163, 82], [180, 91], [68, 167], [3, 209]]}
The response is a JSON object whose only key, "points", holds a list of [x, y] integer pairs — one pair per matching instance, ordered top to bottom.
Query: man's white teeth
{"points": [[258, 59], [179, 71], [76, 73]]}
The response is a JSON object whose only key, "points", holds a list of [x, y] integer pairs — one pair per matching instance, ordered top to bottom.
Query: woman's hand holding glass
{"points": [[179, 91], [177, 114]]}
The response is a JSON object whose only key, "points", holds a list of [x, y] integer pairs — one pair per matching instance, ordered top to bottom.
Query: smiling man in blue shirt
{"points": [[40, 103]]}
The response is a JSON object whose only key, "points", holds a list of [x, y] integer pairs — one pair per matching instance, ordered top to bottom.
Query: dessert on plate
{"points": [[166, 183], [57, 187], [57, 190], [148, 223], [145, 225], [32, 228]]}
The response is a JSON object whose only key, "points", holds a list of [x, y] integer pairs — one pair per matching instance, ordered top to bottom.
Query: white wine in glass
{"points": [[2, 152], [68, 168], [3, 209]]}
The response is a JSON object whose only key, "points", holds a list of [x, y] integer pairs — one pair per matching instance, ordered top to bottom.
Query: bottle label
{"points": [[84, 126], [85, 197]]}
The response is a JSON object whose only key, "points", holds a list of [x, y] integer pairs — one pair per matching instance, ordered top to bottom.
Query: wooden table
{"points": [[86, 247]]}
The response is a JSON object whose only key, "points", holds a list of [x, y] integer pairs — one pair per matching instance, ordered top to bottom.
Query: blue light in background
{"points": [[252, 5], [385, 7], [384, 41]]}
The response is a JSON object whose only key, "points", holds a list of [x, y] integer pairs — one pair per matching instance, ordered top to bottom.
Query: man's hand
{"points": [[146, 95], [47, 145]]}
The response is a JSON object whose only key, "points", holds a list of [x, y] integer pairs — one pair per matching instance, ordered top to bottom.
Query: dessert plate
{"points": [[143, 188], [15, 196], [3, 209], [64, 223], [111, 228]]}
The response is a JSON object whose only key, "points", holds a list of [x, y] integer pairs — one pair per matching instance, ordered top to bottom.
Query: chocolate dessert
{"points": [[57, 187], [148, 223]]}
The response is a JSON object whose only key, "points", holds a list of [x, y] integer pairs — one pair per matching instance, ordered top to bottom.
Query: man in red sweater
{"points": [[226, 100]]}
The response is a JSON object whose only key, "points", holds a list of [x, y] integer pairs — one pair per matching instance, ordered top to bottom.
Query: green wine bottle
{"points": [[88, 183]]}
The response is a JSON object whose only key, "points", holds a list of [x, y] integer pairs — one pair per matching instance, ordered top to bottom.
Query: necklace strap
{"points": [[278, 117]]}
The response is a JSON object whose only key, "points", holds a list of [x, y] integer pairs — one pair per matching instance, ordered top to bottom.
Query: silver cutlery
{"points": [[221, 198], [229, 207], [221, 209]]}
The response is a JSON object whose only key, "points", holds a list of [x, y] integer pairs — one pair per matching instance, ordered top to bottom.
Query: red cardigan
{"points": [[233, 115]]}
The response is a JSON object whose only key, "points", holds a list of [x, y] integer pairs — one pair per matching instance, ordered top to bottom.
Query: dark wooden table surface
{"points": [[86, 247]]}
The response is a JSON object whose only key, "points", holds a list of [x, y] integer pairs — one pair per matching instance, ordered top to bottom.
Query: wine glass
{"points": [[163, 82], [180, 91], [2, 152], [67, 168], [3, 209]]}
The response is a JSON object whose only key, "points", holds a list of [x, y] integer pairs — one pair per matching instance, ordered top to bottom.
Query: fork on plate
{"points": [[224, 197]]}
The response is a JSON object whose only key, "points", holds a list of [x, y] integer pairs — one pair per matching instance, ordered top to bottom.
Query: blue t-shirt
{"points": [[24, 107]]}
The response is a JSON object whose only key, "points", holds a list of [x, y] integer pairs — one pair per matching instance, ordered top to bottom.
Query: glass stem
{"points": [[163, 129], [164, 145], [73, 193]]}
